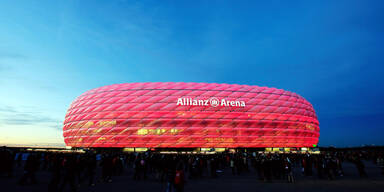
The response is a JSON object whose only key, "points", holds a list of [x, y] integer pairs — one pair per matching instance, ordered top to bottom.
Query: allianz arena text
{"points": [[190, 115]]}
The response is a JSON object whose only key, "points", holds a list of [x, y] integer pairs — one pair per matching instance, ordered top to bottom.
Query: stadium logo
{"points": [[213, 102]]}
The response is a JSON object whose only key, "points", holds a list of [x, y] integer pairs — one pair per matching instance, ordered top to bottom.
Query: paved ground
{"points": [[225, 182]]}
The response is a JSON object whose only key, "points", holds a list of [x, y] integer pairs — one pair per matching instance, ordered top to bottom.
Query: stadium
{"points": [[190, 115]]}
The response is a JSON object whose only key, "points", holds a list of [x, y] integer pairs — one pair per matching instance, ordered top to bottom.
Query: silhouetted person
{"points": [[19, 159], [380, 163], [56, 165], [232, 165], [308, 165], [30, 167], [360, 167], [106, 168], [91, 169], [136, 169], [288, 171], [69, 173], [170, 175], [179, 178]]}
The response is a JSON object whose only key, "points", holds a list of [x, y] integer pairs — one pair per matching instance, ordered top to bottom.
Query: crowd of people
{"points": [[71, 170]]}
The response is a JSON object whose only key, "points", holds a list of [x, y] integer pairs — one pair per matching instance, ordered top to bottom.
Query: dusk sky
{"points": [[329, 52]]}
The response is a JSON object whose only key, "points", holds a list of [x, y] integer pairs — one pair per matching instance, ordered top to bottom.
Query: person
{"points": [[9, 156], [19, 159], [380, 163], [232, 165], [308, 165], [319, 165], [339, 165], [31, 166], [213, 167], [360, 167], [143, 168], [330, 168], [69, 169], [91, 169], [136, 169], [106, 170], [288, 170], [55, 173], [170, 174], [179, 179]]}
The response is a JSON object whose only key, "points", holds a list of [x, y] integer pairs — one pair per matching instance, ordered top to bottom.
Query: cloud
{"points": [[10, 55], [5, 57], [4, 67], [7, 109], [12, 116], [27, 119], [57, 126]]}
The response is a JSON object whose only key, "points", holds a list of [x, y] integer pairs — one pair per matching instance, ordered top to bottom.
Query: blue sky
{"points": [[330, 52]]}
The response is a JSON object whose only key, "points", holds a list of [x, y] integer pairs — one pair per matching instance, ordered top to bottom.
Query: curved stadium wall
{"points": [[189, 115]]}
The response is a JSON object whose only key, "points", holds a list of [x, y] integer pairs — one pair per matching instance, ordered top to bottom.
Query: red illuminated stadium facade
{"points": [[190, 115]]}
